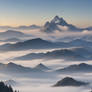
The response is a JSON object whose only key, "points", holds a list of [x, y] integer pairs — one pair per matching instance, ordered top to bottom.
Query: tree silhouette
{"points": [[5, 88]]}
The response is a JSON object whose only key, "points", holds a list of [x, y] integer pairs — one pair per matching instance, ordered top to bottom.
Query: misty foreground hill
{"points": [[68, 81]]}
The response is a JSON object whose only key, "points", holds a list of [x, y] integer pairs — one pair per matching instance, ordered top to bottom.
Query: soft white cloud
{"points": [[64, 28], [57, 34], [54, 36]]}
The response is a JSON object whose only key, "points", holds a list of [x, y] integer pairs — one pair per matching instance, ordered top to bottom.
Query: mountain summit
{"points": [[58, 23], [41, 67]]}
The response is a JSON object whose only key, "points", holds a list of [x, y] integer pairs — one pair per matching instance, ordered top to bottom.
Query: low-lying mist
{"points": [[34, 84], [40, 85]]}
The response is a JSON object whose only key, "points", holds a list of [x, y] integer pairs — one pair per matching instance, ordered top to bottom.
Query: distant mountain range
{"points": [[56, 23], [60, 24], [23, 27], [28, 27], [12, 34], [86, 37], [11, 40], [79, 42], [38, 43], [76, 43], [29, 44], [76, 54], [15, 68], [77, 68], [41, 70], [68, 81]]}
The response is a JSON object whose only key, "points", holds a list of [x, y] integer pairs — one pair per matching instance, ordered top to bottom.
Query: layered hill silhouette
{"points": [[22, 27], [30, 27], [12, 34], [86, 37], [39, 43], [29, 44], [80, 54], [12, 68], [15, 68], [77, 68], [19, 69], [39, 71], [68, 81]]}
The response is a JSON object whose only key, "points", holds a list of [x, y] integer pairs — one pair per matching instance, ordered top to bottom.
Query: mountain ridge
{"points": [[50, 27], [76, 68]]}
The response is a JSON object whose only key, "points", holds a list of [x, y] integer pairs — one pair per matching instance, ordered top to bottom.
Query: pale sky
{"points": [[28, 12]]}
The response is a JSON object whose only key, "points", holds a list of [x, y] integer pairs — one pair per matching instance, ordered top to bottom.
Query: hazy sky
{"points": [[27, 12]]}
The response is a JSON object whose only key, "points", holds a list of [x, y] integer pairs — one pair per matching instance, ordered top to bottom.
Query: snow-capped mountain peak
{"points": [[56, 19]]}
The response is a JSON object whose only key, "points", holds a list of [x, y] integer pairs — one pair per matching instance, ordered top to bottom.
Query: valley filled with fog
{"points": [[34, 58], [30, 84]]}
